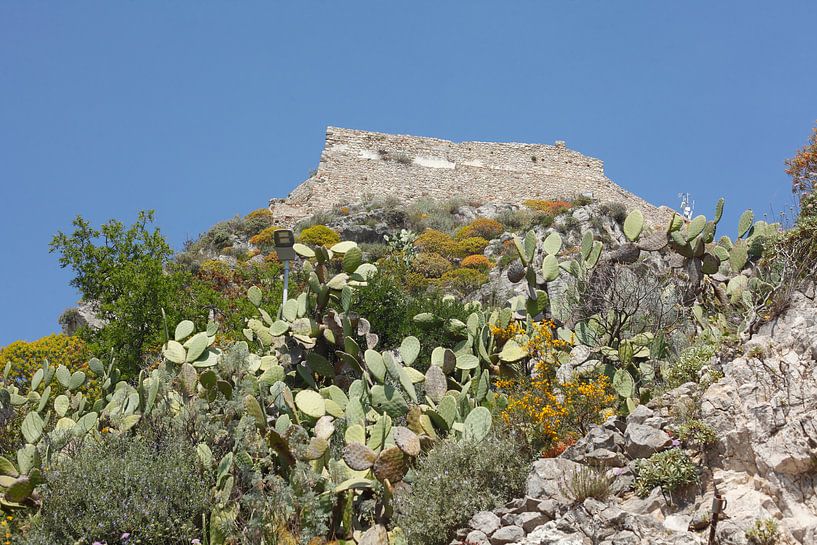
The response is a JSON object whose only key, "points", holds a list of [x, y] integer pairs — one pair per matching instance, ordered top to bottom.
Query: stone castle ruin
{"points": [[359, 165]]}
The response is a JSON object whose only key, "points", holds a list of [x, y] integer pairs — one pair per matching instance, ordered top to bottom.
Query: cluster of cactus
{"points": [[717, 270], [324, 395], [49, 425]]}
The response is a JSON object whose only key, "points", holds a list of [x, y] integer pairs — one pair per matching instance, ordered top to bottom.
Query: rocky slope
{"points": [[764, 461]]}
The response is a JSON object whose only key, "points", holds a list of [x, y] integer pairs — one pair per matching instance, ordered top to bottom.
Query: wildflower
{"points": [[676, 443], [125, 536], [195, 542]]}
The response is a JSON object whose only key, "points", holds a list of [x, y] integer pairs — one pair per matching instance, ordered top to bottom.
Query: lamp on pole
{"points": [[284, 241]]}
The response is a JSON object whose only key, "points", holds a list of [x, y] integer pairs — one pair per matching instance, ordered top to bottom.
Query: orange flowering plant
{"points": [[547, 411]]}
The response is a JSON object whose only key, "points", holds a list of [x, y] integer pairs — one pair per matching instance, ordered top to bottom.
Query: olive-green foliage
{"points": [[582, 200], [614, 210], [524, 219], [319, 235], [471, 246], [431, 265], [462, 281], [390, 310], [689, 364], [698, 433], [670, 470], [455, 481], [587, 482], [152, 489], [763, 532]]}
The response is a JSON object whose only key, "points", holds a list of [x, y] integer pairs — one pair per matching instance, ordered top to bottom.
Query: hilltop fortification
{"points": [[356, 165]]}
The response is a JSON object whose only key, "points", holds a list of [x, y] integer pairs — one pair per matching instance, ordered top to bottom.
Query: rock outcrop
{"points": [[764, 464]]}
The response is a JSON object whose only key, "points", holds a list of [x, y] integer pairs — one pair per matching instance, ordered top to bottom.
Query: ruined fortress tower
{"points": [[356, 165]]}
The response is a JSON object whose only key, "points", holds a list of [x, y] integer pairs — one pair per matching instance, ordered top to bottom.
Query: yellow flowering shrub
{"points": [[551, 207], [259, 213], [480, 227], [319, 235], [265, 237], [432, 241], [471, 245], [479, 262], [503, 334], [27, 357], [547, 411]]}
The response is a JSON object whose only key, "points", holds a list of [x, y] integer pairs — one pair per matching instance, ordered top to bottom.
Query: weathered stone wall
{"points": [[357, 165]]}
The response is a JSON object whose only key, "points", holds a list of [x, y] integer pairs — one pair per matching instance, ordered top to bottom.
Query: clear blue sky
{"points": [[205, 109]]}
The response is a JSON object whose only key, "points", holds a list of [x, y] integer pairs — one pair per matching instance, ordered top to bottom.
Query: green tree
{"points": [[124, 271]]}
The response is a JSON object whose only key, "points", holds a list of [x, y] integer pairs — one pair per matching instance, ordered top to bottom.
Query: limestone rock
{"points": [[644, 441], [486, 522]]}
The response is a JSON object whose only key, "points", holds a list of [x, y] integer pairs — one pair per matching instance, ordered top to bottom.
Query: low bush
{"points": [[582, 200], [550, 207], [614, 210], [480, 227], [319, 235], [265, 238], [436, 242], [471, 245], [478, 262], [431, 265], [463, 281], [27, 357], [689, 364], [540, 407], [698, 434], [670, 470], [454, 481], [587, 482], [153, 490], [763, 532]]}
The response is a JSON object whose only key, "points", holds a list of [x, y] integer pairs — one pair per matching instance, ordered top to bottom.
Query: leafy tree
{"points": [[803, 167], [123, 270]]}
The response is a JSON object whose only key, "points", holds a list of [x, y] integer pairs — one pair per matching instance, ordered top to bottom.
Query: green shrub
{"points": [[582, 200], [614, 210], [319, 235], [471, 246], [431, 265], [463, 281], [390, 308], [689, 364], [697, 433], [670, 470], [454, 481], [587, 482], [150, 489], [763, 532]]}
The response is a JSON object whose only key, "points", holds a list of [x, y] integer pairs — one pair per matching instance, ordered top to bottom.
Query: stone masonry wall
{"points": [[358, 165]]}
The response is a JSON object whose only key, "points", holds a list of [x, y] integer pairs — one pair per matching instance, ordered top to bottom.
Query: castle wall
{"points": [[356, 165]]}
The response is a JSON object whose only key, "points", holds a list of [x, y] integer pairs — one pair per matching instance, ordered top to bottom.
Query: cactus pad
{"points": [[310, 403], [406, 440], [359, 457], [390, 465]]}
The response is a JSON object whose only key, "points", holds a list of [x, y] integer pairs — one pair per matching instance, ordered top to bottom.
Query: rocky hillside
{"points": [[760, 459]]}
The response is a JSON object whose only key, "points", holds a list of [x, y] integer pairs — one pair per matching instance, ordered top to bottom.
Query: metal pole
{"points": [[286, 279]]}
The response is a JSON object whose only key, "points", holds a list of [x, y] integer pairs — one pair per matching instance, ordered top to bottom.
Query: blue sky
{"points": [[203, 110]]}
